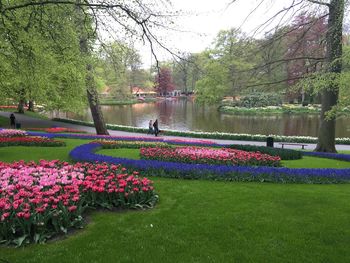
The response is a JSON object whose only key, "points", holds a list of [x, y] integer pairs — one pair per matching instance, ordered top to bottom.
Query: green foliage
{"points": [[40, 58], [118, 67], [226, 67], [259, 99], [270, 110]]}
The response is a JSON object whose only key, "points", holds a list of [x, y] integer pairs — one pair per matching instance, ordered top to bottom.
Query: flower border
{"points": [[86, 152]]}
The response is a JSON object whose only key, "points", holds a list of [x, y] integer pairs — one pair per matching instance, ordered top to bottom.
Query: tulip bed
{"points": [[57, 130], [12, 133], [30, 141], [130, 144], [209, 156], [40, 200]]}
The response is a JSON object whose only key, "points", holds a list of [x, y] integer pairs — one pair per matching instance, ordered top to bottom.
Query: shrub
{"points": [[261, 100], [40, 200]]}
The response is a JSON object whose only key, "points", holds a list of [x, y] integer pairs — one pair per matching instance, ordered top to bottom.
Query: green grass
{"points": [[36, 115], [4, 122], [16, 153], [123, 153], [314, 162], [204, 221], [207, 221]]}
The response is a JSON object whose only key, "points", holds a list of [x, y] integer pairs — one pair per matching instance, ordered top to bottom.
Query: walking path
{"points": [[30, 122]]}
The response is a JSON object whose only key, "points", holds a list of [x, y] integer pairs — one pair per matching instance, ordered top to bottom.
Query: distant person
{"points": [[12, 121], [155, 126], [150, 127]]}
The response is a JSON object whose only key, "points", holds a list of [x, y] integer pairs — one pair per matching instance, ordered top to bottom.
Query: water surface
{"points": [[185, 115]]}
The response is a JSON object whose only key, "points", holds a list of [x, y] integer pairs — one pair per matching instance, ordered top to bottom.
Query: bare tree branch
{"points": [[318, 2]]}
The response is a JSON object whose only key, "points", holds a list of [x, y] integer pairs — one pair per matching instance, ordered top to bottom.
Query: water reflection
{"points": [[185, 115]]}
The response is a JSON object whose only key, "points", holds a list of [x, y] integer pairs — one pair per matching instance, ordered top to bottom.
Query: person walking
{"points": [[12, 121], [155, 126], [150, 127]]}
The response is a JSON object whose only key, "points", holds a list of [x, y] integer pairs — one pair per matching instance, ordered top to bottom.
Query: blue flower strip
{"points": [[86, 152], [345, 157]]}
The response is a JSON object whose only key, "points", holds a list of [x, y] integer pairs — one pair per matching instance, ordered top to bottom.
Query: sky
{"points": [[203, 19]]}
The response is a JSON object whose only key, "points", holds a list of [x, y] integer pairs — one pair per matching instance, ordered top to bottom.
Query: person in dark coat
{"points": [[12, 121], [155, 126], [150, 127]]}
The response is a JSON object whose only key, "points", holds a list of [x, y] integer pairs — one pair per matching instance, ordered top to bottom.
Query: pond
{"points": [[185, 115]]}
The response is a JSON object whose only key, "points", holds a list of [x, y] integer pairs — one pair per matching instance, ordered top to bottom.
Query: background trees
{"points": [[23, 22], [40, 59], [164, 82]]}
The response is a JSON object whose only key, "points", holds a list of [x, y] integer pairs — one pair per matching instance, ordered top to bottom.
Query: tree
{"points": [[137, 19], [306, 48], [40, 54], [226, 70], [331, 76], [163, 82], [330, 93]]}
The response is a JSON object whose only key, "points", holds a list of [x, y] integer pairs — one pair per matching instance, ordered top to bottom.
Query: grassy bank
{"points": [[284, 109], [290, 109]]}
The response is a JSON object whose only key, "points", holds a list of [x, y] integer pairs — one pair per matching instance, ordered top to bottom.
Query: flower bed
{"points": [[57, 130], [12, 133], [126, 138], [30, 141], [185, 142], [130, 144], [86, 152], [209, 156], [40, 200]]}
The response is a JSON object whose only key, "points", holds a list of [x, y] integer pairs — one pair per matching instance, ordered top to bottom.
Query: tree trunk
{"points": [[91, 90], [329, 96], [31, 106], [20, 107], [95, 108]]}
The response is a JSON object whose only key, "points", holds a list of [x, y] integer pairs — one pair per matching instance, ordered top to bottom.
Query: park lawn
{"points": [[4, 122], [16, 153], [122, 153], [305, 162], [315, 162], [204, 221], [208, 221]]}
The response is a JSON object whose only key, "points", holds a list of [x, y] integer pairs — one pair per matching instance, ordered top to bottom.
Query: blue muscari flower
{"points": [[86, 152]]}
